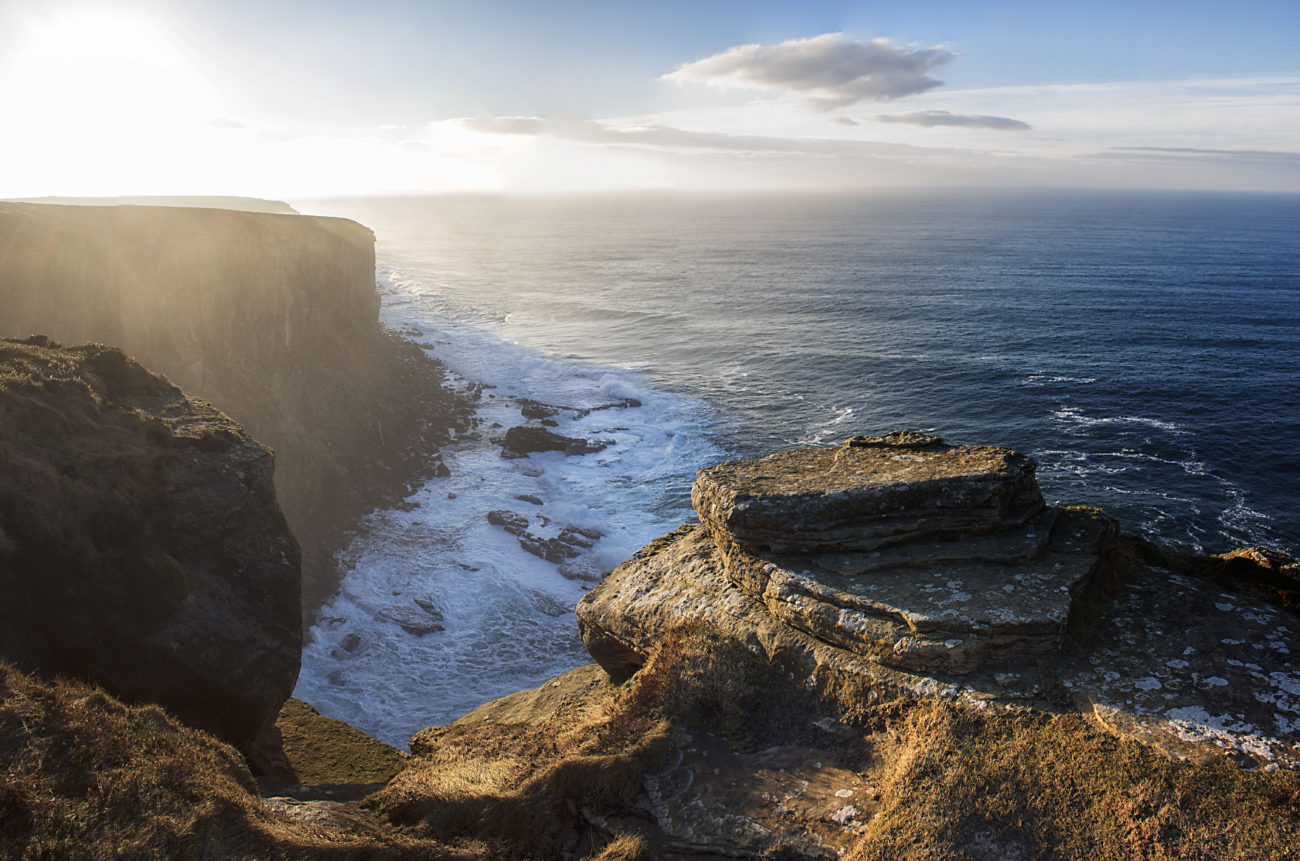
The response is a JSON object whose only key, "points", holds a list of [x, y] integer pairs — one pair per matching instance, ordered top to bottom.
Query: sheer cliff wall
{"points": [[272, 318]]}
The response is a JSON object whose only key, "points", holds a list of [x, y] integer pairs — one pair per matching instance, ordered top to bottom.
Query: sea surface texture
{"points": [[1143, 348]]}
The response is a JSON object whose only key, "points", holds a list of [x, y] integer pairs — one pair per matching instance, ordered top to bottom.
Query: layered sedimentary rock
{"points": [[273, 318], [870, 492], [141, 545], [918, 554], [974, 592]]}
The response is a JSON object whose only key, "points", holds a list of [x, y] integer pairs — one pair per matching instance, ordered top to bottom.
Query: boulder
{"points": [[141, 546]]}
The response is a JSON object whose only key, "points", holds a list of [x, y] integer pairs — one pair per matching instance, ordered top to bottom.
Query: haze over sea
{"points": [[1143, 347]]}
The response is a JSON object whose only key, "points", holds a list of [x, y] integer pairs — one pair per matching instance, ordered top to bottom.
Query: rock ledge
{"points": [[915, 553]]}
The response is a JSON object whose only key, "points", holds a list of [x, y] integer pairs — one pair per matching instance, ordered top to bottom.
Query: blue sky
{"points": [[336, 96]]}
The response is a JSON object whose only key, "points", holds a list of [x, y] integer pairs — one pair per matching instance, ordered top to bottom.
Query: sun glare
{"points": [[104, 101]]}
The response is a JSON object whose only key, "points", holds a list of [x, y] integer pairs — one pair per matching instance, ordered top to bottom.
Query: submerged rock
{"points": [[141, 545], [413, 620]]}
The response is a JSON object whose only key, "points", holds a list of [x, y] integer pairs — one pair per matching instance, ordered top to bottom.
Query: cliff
{"points": [[244, 204], [273, 318], [892, 648]]}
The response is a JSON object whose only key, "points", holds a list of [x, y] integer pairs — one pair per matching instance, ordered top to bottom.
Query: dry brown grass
{"points": [[324, 751], [83, 776], [952, 782], [523, 784], [961, 784], [534, 785]]}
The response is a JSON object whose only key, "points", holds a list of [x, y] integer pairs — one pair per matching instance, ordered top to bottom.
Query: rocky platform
{"points": [[917, 554], [973, 591]]}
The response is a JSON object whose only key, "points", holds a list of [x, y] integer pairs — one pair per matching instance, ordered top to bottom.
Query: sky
{"points": [[300, 98]]}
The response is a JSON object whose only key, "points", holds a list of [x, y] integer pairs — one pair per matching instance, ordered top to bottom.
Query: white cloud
{"points": [[829, 71], [929, 119], [660, 136], [1291, 159]]}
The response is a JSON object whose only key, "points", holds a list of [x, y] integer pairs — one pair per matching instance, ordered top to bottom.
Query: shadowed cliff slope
{"points": [[272, 318], [140, 542]]}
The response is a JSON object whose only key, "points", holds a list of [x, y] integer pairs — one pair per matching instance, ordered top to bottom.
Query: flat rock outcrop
{"points": [[868, 493], [141, 546], [918, 554], [1015, 604]]}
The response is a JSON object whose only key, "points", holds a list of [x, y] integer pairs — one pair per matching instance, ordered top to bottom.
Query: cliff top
{"points": [[243, 204]]}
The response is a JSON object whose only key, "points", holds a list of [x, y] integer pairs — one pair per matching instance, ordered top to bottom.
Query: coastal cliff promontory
{"points": [[273, 318]]}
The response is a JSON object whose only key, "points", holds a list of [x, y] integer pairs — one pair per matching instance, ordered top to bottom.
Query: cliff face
{"points": [[273, 318], [140, 541]]}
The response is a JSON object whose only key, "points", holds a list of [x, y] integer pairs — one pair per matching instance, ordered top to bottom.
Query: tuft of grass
{"points": [[324, 751], [523, 784]]}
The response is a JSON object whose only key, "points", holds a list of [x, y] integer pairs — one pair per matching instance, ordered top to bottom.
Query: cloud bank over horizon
{"points": [[827, 71], [930, 119]]}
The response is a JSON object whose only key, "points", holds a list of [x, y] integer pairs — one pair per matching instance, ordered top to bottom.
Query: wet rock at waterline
{"points": [[523, 440], [515, 524], [567, 545]]}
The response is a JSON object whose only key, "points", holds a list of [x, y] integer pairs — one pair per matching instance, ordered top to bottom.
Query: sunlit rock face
{"points": [[869, 493], [141, 545], [919, 554], [908, 567]]}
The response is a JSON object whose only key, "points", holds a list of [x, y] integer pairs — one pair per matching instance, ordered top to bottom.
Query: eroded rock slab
{"points": [[866, 494], [950, 616], [1172, 662]]}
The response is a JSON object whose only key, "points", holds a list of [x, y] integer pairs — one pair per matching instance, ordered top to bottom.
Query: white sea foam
{"points": [[1075, 416], [507, 614]]}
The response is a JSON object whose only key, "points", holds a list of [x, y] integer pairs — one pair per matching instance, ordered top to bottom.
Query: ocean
{"points": [[1143, 348]]}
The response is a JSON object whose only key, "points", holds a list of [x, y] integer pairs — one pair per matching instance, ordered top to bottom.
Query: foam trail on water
{"points": [[1133, 463], [436, 560]]}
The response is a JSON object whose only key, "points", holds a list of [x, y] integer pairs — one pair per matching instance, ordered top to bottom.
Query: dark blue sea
{"points": [[1144, 348]]}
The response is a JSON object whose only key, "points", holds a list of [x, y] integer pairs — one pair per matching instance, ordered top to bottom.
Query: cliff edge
{"points": [[273, 318]]}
